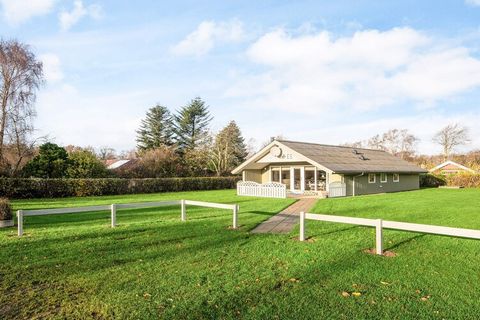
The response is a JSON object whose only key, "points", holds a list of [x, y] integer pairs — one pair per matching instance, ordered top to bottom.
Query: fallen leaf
{"points": [[385, 283], [345, 294], [356, 294], [425, 298]]}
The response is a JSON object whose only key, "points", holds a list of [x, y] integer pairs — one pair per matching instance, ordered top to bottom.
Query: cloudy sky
{"points": [[320, 71]]}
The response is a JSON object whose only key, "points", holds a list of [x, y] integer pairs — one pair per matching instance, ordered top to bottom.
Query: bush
{"points": [[466, 180], [432, 181], [53, 188], [5, 209]]}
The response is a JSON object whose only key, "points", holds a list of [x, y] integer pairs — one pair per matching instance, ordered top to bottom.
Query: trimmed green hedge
{"points": [[56, 188]]}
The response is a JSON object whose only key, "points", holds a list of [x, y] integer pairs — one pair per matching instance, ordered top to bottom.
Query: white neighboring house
{"points": [[116, 164], [451, 167]]}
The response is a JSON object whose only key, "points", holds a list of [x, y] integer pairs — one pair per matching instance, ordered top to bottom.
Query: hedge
{"points": [[466, 180], [432, 181], [56, 188]]}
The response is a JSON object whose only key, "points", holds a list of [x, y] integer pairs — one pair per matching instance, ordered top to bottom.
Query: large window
{"points": [[275, 175], [286, 177], [383, 177], [309, 178], [371, 178]]}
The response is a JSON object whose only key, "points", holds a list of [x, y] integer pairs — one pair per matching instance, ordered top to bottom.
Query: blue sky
{"points": [[320, 71]]}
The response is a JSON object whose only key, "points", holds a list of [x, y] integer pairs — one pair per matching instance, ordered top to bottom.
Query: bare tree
{"points": [[21, 74], [450, 137], [397, 142], [106, 153]]}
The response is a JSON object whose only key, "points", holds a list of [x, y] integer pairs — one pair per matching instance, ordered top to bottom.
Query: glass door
{"points": [[297, 182]]}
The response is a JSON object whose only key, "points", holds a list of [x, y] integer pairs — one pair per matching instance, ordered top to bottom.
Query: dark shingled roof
{"points": [[341, 159]]}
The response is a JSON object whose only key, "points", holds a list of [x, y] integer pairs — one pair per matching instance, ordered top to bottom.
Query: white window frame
{"points": [[374, 177], [398, 177], [381, 178]]}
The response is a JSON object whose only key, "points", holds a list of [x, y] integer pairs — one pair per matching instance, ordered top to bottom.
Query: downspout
{"points": [[353, 187]]}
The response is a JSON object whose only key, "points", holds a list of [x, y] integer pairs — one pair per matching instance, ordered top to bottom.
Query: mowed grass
{"points": [[155, 266]]}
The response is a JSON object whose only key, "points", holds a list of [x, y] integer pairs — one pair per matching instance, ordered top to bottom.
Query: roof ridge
{"points": [[330, 145]]}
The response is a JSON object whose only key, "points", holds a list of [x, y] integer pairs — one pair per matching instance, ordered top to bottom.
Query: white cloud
{"points": [[473, 2], [18, 11], [69, 18], [207, 35], [51, 67], [368, 70]]}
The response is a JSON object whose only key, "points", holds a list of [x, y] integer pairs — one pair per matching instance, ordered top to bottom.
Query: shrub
{"points": [[466, 180], [432, 181], [52, 188], [5, 209]]}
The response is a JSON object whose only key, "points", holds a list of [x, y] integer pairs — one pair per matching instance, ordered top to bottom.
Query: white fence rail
{"points": [[337, 189], [267, 190], [113, 210], [380, 224]]}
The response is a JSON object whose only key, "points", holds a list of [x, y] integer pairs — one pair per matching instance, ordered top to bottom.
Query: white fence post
{"points": [[113, 209], [184, 210], [235, 216], [20, 222], [302, 226], [379, 236]]}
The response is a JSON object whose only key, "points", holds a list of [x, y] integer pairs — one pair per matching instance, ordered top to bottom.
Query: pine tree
{"points": [[191, 125], [156, 130], [229, 149]]}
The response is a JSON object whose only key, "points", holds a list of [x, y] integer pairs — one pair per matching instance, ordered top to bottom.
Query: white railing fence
{"points": [[337, 189], [268, 190], [114, 207], [380, 224]]}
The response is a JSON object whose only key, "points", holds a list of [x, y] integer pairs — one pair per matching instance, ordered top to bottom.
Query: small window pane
{"points": [[371, 178]]}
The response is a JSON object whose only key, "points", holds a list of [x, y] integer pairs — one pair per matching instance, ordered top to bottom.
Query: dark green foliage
{"points": [[191, 125], [156, 130], [51, 162], [84, 164], [431, 181], [51, 188], [5, 209]]}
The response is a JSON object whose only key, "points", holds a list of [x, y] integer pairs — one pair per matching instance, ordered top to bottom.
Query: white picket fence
{"points": [[337, 189], [268, 190], [114, 207], [380, 224]]}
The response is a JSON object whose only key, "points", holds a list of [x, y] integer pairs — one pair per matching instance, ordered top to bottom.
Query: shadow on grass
{"points": [[406, 241]]}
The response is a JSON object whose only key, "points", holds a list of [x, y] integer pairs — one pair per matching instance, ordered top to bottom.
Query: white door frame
{"points": [[302, 179]]}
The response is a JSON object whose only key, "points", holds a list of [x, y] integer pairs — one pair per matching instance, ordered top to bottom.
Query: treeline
{"points": [[168, 145]]}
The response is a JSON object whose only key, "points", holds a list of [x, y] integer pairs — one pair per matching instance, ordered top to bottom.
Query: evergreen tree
{"points": [[191, 125], [156, 130], [229, 149], [51, 162]]}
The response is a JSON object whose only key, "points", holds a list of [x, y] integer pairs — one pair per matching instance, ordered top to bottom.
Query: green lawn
{"points": [[155, 266]]}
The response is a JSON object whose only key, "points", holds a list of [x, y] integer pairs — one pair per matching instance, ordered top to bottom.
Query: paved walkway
{"points": [[284, 221]]}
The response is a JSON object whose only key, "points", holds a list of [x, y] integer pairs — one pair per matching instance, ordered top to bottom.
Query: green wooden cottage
{"points": [[284, 168]]}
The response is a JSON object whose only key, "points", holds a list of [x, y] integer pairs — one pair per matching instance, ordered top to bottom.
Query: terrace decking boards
{"points": [[284, 221]]}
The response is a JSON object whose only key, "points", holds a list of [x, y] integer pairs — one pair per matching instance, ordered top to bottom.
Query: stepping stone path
{"points": [[284, 221]]}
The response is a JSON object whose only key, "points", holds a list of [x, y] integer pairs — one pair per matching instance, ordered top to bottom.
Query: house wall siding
{"points": [[253, 175], [407, 182]]}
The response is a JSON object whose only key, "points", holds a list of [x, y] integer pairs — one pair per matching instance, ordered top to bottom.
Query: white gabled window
{"points": [[383, 177], [396, 177], [371, 178]]}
